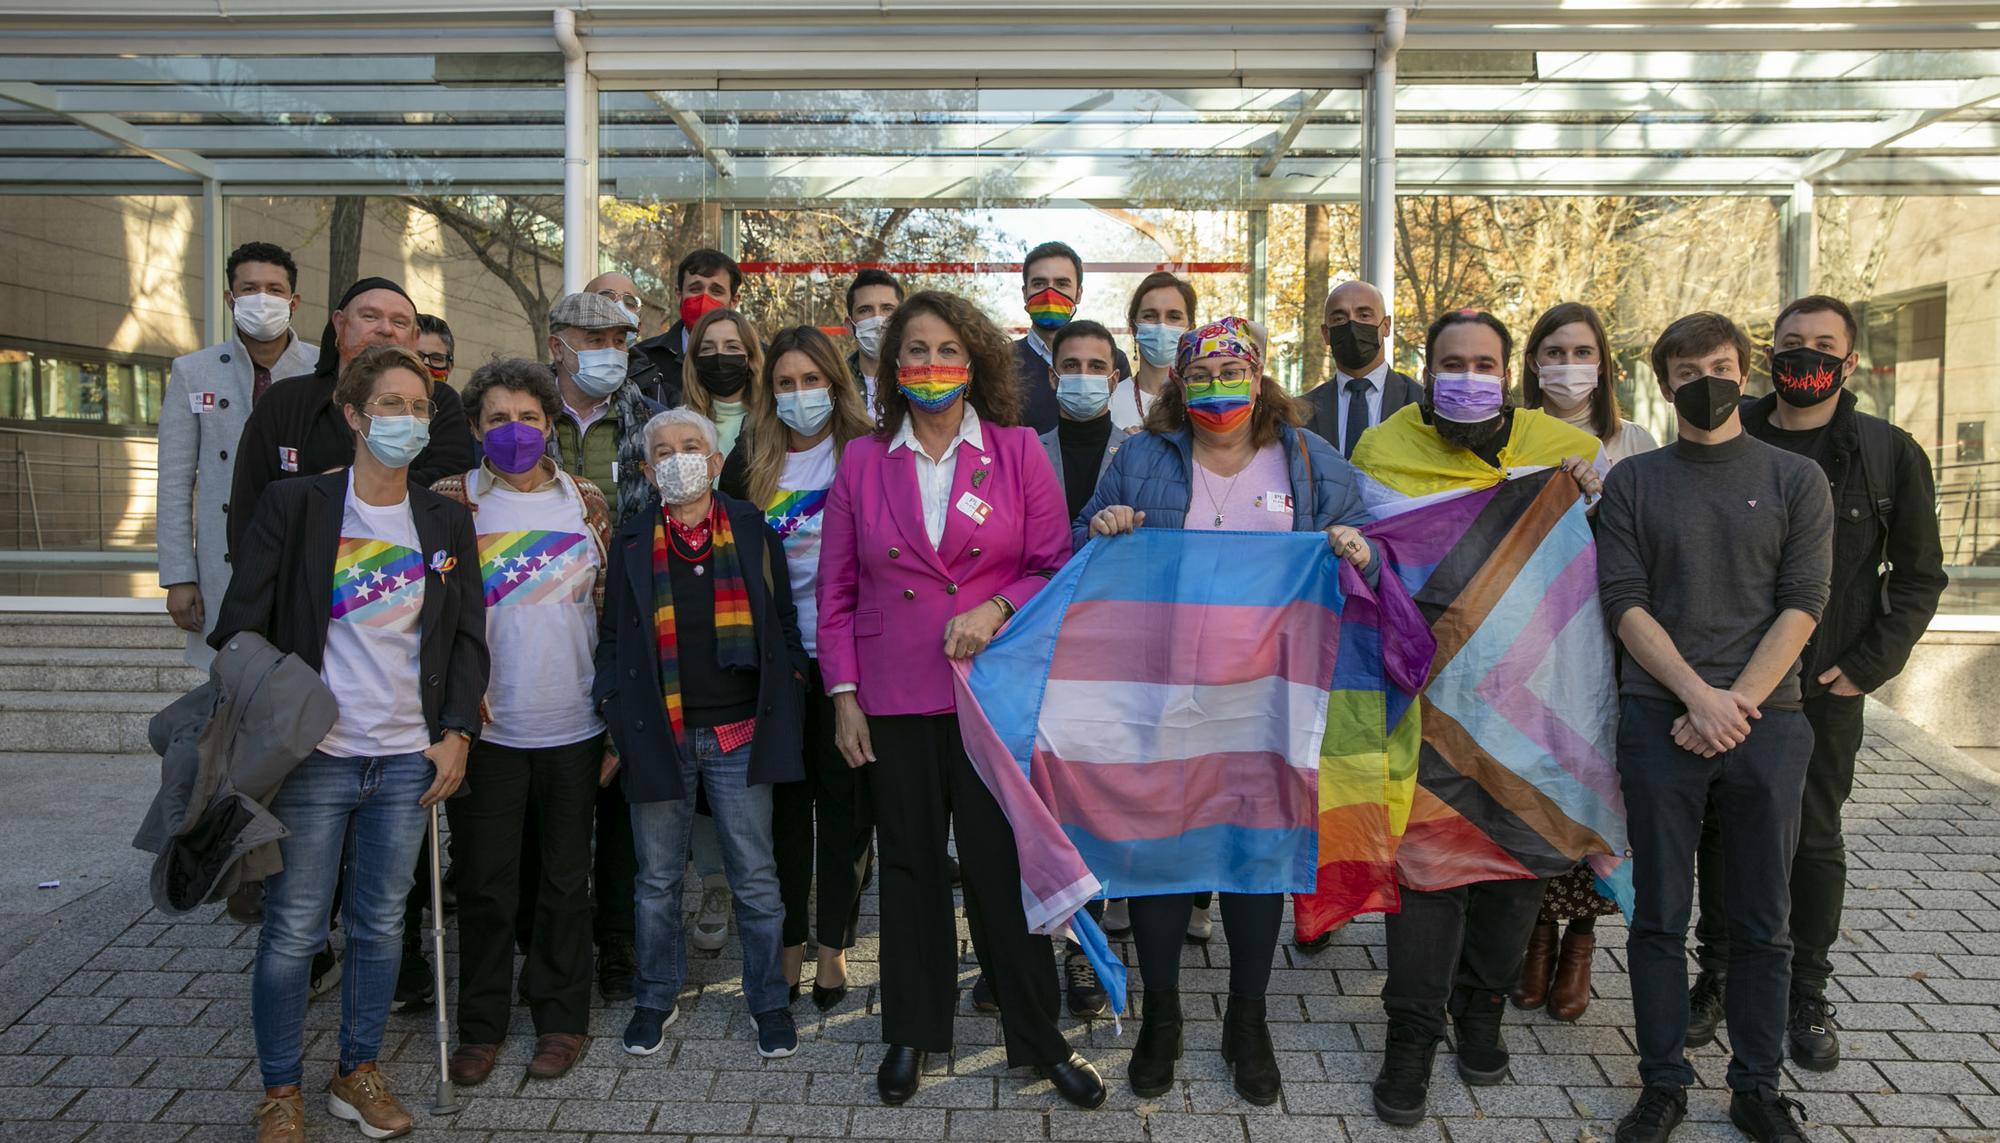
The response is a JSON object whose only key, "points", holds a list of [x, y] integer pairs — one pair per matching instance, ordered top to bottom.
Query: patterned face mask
{"points": [[933, 388], [1219, 406]]}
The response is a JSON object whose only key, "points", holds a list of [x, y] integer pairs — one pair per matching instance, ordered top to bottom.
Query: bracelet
{"points": [[1006, 606]]}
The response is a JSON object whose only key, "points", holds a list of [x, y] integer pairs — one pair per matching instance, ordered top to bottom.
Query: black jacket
{"points": [[655, 365], [1321, 404], [1039, 408], [297, 430], [282, 588], [1855, 634], [628, 658]]}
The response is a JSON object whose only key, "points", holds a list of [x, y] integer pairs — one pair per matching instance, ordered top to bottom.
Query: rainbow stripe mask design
{"points": [[1051, 309], [933, 388], [1219, 406]]}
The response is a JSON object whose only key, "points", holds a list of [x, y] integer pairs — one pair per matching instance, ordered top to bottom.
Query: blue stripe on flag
{"points": [[1165, 565], [1244, 860]]}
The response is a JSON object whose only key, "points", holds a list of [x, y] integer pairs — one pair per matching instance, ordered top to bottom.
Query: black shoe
{"points": [[954, 871], [1314, 944], [614, 970], [325, 972], [414, 985], [1086, 994], [825, 998], [983, 999], [1705, 1008], [1475, 1024], [1810, 1030], [646, 1032], [777, 1033], [1246, 1046], [1152, 1068], [896, 1080], [1076, 1081], [1403, 1086], [1660, 1109], [1767, 1117]]}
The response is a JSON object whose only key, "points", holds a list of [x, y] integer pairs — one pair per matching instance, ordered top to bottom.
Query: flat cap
{"points": [[588, 311]]}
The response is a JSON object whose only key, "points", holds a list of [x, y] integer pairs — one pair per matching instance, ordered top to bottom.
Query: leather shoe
{"points": [[1537, 968], [1569, 995], [555, 1054], [472, 1063], [896, 1080], [1076, 1081]]}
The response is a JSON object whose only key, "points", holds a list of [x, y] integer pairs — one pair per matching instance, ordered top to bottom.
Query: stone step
{"points": [[33, 629], [92, 656], [166, 681], [115, 702], [75, 731]]}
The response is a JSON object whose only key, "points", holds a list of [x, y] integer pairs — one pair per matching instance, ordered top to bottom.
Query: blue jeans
{"points": [[366, 808], [743, 823]]}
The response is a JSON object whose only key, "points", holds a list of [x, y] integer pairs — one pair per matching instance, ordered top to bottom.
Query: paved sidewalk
{"points": [[118, 1023]]}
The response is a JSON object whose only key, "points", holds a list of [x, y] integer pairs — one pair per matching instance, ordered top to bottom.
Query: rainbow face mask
{"points": [[1051, 309], [933, 388], [1219, 406]]}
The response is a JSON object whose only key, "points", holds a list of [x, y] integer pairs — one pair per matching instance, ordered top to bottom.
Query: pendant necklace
{"points": [[1210, 492]]}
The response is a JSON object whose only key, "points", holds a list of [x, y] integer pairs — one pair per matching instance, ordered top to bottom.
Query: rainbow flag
{"points": [[534, 566], [376, 583], [1182, 711]]}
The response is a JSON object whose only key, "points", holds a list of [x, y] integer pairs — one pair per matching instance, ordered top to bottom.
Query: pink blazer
{"points": [[885, 595]]}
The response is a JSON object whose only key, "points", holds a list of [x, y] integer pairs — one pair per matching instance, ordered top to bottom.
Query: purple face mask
{"points": [[1467, 398], [514, 447]]}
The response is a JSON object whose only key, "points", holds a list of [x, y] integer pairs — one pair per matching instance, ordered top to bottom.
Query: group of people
{"points": [[695, 599]]}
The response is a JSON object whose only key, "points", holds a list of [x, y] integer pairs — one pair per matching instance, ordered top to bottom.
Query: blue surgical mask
{"points": [[1157, 343], [599, 372], [1083, 395], [805, 412], [396, 441]]}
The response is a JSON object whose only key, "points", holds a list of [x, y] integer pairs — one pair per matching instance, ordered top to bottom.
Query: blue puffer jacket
{"points": [[1153, 474]]}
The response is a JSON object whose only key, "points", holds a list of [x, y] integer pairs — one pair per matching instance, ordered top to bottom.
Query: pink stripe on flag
{"points": [[1194, 644], [1148, 800]]}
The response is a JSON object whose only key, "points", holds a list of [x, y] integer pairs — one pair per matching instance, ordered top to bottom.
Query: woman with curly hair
{"points": [[939, 528]]}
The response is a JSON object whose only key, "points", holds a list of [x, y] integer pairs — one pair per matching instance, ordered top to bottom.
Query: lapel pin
{"points": [[978, 476], [442, 563]]}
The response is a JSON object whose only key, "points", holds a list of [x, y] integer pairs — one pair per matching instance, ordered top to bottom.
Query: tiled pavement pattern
{"points": [[135, 1026]]}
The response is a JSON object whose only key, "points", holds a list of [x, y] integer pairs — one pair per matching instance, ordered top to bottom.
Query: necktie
{"points": [[1357, 414]]}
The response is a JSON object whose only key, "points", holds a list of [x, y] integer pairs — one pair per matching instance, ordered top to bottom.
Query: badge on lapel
{"points": [[979, 474], [441, 563]]}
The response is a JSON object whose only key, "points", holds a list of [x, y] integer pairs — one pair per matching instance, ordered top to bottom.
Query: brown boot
{"points": [[1540, 964], [1570, 994]]}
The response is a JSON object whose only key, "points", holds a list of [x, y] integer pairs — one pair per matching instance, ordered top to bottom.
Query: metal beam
{"points": [[109, 126], [1900, 127], [697, 136], [1283, 142], [580, 182], [1378, 228], [215, 316]]}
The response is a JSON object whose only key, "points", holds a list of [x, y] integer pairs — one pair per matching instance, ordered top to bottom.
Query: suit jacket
{"points": [[1321, 404], [201, 418], [1052, 445], [283, 590], [885, 595], [628, 687]]}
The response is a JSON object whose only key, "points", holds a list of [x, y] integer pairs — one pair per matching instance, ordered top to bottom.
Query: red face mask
{"points": [[695, 305]]}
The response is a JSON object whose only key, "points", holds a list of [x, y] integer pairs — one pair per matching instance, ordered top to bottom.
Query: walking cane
{"points": [[446, 1102]]}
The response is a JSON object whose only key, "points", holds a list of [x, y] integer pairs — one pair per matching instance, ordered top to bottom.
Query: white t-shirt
{"points": [[1129, 406], [1632, 438], [796, 513], [538, 565], [371, 663]]}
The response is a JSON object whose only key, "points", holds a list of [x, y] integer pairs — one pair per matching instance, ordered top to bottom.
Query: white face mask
{"points": [[262, 317], [868, 335], [1567, 385], [1083, 395], [806, 411], [682, 477]]}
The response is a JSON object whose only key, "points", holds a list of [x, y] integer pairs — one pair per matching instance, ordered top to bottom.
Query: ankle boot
{"points": [[1537, 968], [1570, 994], [1475, 1025], [1246, 1043], [1152, 1068], [1403, 1086]]}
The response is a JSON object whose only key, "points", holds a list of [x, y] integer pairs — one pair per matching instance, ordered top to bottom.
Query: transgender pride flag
{"points": [[1181, 711]]}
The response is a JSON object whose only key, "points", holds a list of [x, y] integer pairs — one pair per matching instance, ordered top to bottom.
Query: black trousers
{"points": [[922, 785], [556, 788], [1755, 790], [831, 793], [614, 867], [1819, 870], [1250, 923], [1446, 944]]}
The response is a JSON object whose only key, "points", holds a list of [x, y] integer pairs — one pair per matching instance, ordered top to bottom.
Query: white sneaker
{"points": [[1117, 917], [711, 926], [1200, 928]]}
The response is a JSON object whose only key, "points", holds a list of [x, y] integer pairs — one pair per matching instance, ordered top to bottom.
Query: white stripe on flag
{"points": [[1113, 722]]}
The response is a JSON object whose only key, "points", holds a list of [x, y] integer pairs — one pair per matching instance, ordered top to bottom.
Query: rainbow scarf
{"points": [[1051, 309], [1219, 406], [735, 634]]}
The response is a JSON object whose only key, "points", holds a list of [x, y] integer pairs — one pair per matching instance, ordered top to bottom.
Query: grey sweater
{"points": [[1713, 541]]}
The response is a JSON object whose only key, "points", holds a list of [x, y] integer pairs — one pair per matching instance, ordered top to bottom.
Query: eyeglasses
{"points": [[630, 301], [436, 360], [1229, 373], [391, 405]]}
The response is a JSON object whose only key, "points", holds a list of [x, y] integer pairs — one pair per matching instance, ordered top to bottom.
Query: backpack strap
{"points": [[1877, 456]]}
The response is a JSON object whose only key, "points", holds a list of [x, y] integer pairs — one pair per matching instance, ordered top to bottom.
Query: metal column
{"points": [[579, 157], [1378, 224], [1801, 237], [1260, 261], [215, 316]]}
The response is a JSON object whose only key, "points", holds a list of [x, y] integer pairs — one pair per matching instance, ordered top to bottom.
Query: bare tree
{"points": [[518, 238]]}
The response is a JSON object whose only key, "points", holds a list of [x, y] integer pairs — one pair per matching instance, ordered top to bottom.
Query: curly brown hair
{"points": [[992, 391], [1271, 408]]}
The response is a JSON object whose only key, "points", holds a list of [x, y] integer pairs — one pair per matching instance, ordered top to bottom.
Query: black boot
{"points": [[1705, 1007], [1475, 1022], [1246, 1044], [1152, 1067], [1404, 1084]]}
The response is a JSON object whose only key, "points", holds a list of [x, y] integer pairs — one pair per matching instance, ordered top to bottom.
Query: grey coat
{"points": [[1052, 444], [198, 461], [225, 748]]}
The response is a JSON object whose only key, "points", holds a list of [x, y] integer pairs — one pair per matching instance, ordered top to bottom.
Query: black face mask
{"points": [[1354, 344], [723, 374], [1803, 376], [1706, 402]]}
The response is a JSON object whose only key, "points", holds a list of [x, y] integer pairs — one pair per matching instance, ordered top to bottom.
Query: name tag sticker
{"points": [[199, 403], [288, 459], [614, 473], [1277, 502], [974, 507]]}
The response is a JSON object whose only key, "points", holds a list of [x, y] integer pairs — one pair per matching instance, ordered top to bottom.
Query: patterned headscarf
{"points": [[1227, 337]]}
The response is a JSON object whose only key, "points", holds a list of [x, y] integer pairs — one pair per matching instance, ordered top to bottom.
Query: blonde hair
{"points": [[693, 394], [765, 437]]}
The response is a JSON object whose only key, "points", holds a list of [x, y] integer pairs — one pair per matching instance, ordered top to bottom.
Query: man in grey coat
{"points": [[209, 394]]}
